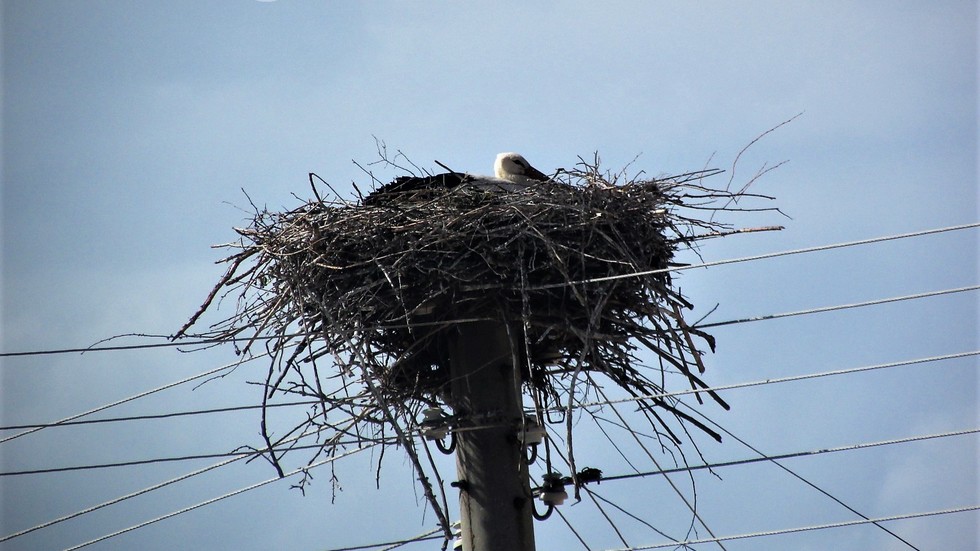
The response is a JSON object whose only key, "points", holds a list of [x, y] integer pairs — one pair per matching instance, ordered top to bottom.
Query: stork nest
{"points": [[581, 268]]}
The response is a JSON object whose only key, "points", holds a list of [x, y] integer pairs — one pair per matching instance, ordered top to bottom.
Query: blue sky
{"points": [[131, 129]]}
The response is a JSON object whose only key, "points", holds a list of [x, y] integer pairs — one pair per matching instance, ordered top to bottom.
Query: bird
{"points": [[513, 167], [511, 170]]}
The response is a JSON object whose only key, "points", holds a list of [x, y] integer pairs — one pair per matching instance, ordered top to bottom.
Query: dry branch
{"points": [[377, 289]]}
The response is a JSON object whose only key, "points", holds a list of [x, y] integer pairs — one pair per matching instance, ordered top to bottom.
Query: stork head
{"points": [[513, 167]]}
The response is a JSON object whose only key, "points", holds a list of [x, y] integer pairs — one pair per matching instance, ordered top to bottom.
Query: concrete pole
{"points": [[495, 499]]}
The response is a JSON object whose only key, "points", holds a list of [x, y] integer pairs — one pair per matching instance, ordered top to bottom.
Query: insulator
{"points": [[433, 424], [533, 433], [553, 490]]}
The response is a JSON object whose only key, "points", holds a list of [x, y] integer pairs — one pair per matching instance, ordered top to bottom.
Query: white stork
{"points": [[513, 167], [512, 173]]}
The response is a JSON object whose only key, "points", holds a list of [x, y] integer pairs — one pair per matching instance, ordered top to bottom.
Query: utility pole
{"points": [[495, 498]]}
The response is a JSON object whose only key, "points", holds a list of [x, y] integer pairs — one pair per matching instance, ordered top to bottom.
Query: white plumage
{"points": [[513, 167]]}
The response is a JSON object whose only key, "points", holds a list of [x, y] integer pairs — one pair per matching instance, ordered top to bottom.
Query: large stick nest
{"points": [[579, 267]]}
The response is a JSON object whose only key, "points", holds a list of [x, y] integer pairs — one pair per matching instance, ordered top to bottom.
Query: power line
{"points": [[751, 258], [839, 307], [735, 321], [209, 341], [204, 342], [111, 348], [777, 380], [135, 397], [589, 404], [156, 416], [70, 420], [906, 440], [792, 455], [238, 456], [764, 457], [774, 459], [151, 461], [135, 462], [605, 478], [805, 480], [148, 489], [219, 498], [119, 499], [768, 533], [423, 537], [393, 544]]}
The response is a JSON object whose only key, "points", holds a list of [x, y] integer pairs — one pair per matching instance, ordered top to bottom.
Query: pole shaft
{"points": [[495, 500]]}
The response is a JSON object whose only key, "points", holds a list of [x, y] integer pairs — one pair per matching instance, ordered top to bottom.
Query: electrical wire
{"points": [[770, 255], [753, 257], [839, 307], [206, 341], [210, 341], [202, 342], [110, 348], [777, 380], [135, 397], [156, 415], [69, 420], [416, 433], [237, 455], [791, 455], [762, 457], [774, 459], [151, 461], [136, 462], [713, 466], [614, 477], [605, 478], [805, 480], [147, 489], [595, 494], [221, 497], [120, 499], [691, 504], [609, 519], [572, 529], [768, 533], [425, 537], [394, 544]]}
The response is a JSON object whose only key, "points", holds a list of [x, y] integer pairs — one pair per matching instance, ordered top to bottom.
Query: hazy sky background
{"points": [[130, 130]]}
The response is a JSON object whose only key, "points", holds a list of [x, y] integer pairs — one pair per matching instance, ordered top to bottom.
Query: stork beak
{"points": [[536, 174]]}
